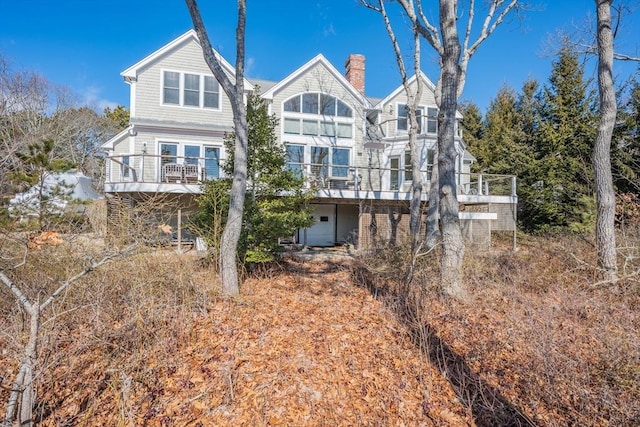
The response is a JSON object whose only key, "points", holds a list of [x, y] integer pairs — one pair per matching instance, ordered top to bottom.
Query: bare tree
{"points": [[454, 59], [235, 93], [413, 100], [605, 195], [22, 392]]}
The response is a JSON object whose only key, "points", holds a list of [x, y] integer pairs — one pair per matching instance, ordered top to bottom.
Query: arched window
{"points": [[317, 114]]}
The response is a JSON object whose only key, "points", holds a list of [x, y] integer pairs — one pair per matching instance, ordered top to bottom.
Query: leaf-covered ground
{"points": [[336, 342], [300, 347]]}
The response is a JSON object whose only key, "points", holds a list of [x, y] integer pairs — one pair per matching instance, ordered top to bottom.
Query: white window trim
{"points": [[181, 90], [424, 116], [319, 118]]}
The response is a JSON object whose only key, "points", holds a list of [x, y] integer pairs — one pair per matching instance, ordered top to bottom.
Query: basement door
{"points": [[323, 230]]}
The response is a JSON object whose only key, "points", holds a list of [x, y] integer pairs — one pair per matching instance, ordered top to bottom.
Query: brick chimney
{"points": [[354, 70]]}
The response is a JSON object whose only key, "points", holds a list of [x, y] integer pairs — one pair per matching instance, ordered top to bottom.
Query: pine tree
{"points": [[473, 127], [625, 147], [561, 179]]}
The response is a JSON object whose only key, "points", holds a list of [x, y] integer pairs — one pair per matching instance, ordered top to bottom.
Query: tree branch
{"points": [[209, 54], [83, 273], [22, 298]]}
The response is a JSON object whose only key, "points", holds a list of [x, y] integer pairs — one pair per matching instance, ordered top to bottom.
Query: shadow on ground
{"points": [[487, 405]]}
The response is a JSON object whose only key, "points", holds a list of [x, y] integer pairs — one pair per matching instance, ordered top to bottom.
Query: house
{"points": [[351, 149]]}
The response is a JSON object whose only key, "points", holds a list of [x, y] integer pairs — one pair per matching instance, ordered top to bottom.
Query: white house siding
{"points": [[186, 58], [319, 79], [389, 109]]}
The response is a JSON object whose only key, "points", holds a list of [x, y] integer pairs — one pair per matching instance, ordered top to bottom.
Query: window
{"points": [[171, 88], [191, 90], [211, 92], [310, 103], [293, 105], [344, 110], [335, 116], [403, 118], [432, 120], [291, 126], [309, 127], [327, 129], [344, 130], [169, 153], [191, 154], [295, 158], [211, 162], [320, 162], [340, 162], [394, 163], [124, 167], [408, 167]]}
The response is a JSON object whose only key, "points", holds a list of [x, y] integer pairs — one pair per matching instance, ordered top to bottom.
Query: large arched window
{"points": [[317, 114]]}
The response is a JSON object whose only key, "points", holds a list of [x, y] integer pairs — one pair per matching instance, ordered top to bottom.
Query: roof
{"points": [[318, 59], [131, 73]]}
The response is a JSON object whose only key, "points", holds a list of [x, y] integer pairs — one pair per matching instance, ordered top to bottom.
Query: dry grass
{"points": [[147, 341], [535, 343]]}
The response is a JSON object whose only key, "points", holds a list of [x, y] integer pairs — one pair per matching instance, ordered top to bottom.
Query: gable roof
{"points": [[318, 59], [131, 73], [411, 80], [400, 88], [116, 138]]}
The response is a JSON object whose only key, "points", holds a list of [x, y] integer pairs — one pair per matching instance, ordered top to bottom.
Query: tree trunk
{"points": [[605, 195], [415, 206], [433, 226], [233, 228], [231, 235], [452, 244], [22, 389]]}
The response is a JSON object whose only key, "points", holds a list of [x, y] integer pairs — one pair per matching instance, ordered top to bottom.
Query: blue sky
{"points": [[85, 44]]}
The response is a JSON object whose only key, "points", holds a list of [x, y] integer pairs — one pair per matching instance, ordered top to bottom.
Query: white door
{"points": [[322, 232]]}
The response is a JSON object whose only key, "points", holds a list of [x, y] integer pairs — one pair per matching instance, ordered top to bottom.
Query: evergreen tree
{"points": [[119, 116], [473, 127], [625, 147], [509, 153], [37, 165], [561, 179], [276, 205]]}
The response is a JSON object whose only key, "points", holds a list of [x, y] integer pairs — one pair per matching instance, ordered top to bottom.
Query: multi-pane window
{"points": [[192, 90], [211, 92], [171, 93], [334, 116], [403, 118], [432, 120], [191, 161], [324, 162], [401, 170]]}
